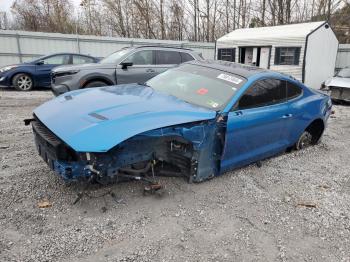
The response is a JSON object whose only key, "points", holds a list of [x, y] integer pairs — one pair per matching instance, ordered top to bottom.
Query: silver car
{"points": [[128, 65], [339, 86]]}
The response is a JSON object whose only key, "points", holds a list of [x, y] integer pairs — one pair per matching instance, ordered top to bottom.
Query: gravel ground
{"points": [[296, 207]]}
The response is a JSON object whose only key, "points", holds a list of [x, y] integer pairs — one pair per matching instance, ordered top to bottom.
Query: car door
{"points": [[166, 59], [44, 66], [141, 70], [297, 120], [256, 125]]}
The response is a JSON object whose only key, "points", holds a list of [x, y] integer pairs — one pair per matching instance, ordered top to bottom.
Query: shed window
{"points": [[226, 54], [287, 55]]}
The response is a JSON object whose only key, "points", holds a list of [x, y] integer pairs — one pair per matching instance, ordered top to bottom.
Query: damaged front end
{"points": [[191, 150]]}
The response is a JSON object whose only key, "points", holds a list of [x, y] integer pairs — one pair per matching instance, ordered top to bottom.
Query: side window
{"points": [[226, 54], [287, 55], [144, 57], [186, 57], [167, 58], [77, 59], [57, 60], [293, 90], [262, 93]]}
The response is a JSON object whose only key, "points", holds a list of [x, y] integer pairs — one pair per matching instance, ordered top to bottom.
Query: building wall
{"points": [[17, 45], [20, 46], [324, 47], [320, 59], [294, 70]]}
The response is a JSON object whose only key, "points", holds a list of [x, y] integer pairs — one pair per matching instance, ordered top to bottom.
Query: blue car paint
{"points": [[40, 74], [128, 110], [258, 133], [220, 140], [202, 165]]}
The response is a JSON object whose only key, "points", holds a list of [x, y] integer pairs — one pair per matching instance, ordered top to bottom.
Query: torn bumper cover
{"points": [[190, 150]]}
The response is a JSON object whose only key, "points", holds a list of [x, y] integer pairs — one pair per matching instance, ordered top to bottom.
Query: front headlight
{"points": [[7, 68], [65, 73]]}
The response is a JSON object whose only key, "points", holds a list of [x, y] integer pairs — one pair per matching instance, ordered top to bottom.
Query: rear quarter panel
{"points": [[305, 109]]}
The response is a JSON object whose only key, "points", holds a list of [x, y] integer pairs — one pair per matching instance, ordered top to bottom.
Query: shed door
{"points": [[264, 57]]}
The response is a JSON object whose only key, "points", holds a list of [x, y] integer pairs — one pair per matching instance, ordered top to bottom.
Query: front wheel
{"points": [[22, 82], [304, 141]]}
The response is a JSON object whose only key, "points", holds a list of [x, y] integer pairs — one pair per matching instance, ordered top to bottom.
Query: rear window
{"points": [[186, 57], [168, 58], [77, 59], [345, 72], [293, 90], [262, 93]]}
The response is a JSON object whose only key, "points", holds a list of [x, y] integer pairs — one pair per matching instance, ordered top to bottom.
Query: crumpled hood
{"points": [[65, 68], [338, 81], [97, 119]]}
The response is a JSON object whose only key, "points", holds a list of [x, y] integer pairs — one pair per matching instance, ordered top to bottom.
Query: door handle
{"points": [[149, 70], [238, 113], [287, 116]]}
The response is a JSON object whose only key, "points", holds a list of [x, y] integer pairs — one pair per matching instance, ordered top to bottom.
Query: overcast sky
{"points": [[5, 5]]}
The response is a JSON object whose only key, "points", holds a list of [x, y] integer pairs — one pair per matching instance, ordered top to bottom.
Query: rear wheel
{"points": [[22, 82], [95, 84], [304, 141]]}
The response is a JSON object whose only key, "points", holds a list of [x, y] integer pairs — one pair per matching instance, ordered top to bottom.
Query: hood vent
{"points": [[100, 117]]}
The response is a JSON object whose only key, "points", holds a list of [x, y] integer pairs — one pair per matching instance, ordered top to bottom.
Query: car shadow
{"points": [[35, 89]]}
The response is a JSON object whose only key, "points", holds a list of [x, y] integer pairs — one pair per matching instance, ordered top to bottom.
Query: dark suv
{"points": [[128, 65]]}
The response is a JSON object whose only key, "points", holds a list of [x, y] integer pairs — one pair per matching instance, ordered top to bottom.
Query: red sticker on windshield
{"points": [[202, 91]]}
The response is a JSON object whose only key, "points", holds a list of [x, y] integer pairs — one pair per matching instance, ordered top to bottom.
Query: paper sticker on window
{"points": [[229, 78], [202, 91], [213, 104]]}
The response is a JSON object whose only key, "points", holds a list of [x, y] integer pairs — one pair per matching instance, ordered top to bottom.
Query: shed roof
{"points": [[292, 30]]}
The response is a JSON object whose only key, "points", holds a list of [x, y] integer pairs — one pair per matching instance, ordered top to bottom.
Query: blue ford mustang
{"points": [[37, 72], [197, 120]]}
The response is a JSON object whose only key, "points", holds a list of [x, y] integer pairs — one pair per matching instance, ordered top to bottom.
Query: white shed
{"points": [[306, 51]]}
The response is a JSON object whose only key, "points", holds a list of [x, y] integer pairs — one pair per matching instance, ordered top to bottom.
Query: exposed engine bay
{"points": [[192, 151]]}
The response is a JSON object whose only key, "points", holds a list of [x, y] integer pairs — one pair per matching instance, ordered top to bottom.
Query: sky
{"points": [[5, 5]]}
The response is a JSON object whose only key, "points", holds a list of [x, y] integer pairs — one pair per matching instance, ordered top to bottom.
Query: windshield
{"points": [[114, 57], [345, 72], [202, 86]]}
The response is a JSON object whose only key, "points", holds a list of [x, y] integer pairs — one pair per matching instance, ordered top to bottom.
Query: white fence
{"points": [[21, 46]]}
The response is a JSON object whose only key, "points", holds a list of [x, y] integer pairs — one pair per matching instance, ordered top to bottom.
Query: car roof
{"points": [[160, 47], [68, 53], [230, 67]]}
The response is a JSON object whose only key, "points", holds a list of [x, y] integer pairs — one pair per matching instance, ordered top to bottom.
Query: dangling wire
{"points": [[152, 167]]}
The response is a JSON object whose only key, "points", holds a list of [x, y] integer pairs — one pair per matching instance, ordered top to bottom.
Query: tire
{"points": [[22, 82], [95, 84], [304, 141]]}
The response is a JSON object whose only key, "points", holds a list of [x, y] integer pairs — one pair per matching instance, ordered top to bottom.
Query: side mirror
{"points": [[40, 62], [125, 65]]}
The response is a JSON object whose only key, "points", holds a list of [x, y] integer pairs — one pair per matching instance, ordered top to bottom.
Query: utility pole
{"points": [[329, 10], [263, 12], [234, 15], [195, 19], [208, 21], [227, 24]]}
